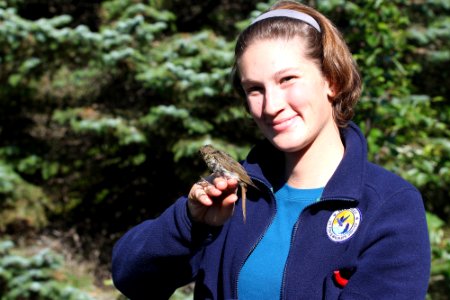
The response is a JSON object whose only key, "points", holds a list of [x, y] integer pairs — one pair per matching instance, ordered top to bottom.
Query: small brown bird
{"points": [[222, 164]]}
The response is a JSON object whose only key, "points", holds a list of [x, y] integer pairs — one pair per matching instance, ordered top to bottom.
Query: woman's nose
{"points": [[273, 102]]}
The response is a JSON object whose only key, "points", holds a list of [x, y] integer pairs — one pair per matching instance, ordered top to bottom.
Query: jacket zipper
{"points": [[272, 195], [294, 232], [293, 235]]}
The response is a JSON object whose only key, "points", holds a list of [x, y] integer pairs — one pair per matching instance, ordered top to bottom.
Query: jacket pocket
{"points": [[330, 289]]}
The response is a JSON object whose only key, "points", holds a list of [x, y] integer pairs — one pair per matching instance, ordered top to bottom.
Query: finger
{"points": [[220, 183], [232, 183], [208, 184], [229, 186], [212, 191], [199, 194], [203, 197], [230, 199]]}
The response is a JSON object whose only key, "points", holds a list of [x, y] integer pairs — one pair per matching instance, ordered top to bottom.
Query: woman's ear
{"points": [[331, 90]]}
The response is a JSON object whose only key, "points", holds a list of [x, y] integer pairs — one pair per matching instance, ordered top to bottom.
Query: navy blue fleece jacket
{"points": [[382, 252]]}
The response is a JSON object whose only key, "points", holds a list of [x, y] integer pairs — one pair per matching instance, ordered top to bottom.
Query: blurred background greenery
{"points": [[103, 105]]}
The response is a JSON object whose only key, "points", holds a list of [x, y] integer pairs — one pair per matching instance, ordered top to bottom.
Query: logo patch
{"points": [[343, 224]]}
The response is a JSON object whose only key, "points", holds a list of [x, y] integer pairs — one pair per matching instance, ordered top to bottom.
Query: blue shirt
{"points": [[262, 274]]}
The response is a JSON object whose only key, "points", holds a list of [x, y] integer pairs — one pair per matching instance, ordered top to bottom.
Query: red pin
{"points": [[339, 279]]}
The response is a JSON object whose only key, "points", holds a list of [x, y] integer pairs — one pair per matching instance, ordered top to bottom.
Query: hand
{"points": [[213, 203]]}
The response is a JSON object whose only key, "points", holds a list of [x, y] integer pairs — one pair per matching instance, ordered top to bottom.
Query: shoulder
{"points": [[378, 176], [387, 186]]}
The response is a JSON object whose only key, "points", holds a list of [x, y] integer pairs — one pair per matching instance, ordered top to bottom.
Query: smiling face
{"points": [[287, 94]]}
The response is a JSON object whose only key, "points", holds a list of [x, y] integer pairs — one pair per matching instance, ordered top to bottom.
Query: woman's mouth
{"points": [[280, 125]]}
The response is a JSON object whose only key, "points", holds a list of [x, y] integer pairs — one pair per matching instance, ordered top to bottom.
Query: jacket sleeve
{"points": [[157, 256], [395, 261]]}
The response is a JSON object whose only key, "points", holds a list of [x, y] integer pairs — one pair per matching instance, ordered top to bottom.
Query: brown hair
{"points": [[327, 48]]}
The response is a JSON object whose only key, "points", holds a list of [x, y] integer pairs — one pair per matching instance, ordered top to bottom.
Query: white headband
{"points": [[289, 13]]}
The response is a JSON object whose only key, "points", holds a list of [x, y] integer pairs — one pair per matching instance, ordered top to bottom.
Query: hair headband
{"points": [[289, 13]]}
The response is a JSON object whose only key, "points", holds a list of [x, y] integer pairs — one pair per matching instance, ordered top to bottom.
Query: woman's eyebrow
{"points": [[282, 72], [277, 74], [248, 82]]}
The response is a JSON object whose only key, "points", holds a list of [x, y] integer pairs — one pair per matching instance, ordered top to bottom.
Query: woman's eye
{"points": [[287, 78], [253, 90]]}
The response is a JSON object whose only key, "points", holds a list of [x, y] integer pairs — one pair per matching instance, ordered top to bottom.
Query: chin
{"points": [[289, 146]]}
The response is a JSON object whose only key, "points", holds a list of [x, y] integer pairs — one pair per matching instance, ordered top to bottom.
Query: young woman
{"points": [[324, 223]]}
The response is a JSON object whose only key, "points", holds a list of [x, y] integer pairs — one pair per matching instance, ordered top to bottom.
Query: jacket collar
{"points": [[264, 164]]}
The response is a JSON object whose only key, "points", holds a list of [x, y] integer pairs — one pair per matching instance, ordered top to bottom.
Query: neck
{"points": [[313, 166]]}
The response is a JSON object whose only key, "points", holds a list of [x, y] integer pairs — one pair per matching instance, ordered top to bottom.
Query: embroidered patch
{"points": [[343, 224]]}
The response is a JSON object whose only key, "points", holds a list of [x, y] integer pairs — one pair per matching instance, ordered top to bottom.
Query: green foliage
{"points": [[376, 34], [429, 34], [85, 120], [20, 201], [440, 267], [35, 277], [183, 293]]}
